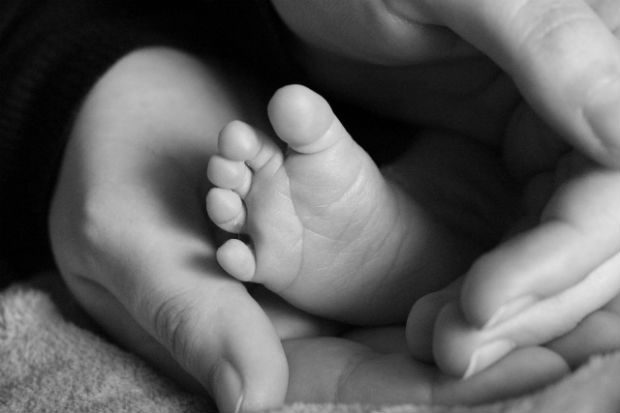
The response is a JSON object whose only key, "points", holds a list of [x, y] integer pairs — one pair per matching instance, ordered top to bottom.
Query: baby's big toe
{"points": [[304, 120]]}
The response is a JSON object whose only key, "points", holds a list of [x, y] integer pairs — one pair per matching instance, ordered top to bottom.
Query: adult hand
{"points": [[563, 56], [130, 234], [132, 243], [558, 265], [593, 333], [328, 366], [343, 369]]}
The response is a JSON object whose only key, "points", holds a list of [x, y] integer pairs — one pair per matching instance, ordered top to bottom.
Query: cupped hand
{"points": [[130, 235], [131, 240], [558, 265], [439, 314], [330, 367], [351, 369]]}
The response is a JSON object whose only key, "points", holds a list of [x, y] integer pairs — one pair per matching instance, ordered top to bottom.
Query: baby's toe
{"points": [[238, 141], [227, 174], [226, 210], [237, 259]]}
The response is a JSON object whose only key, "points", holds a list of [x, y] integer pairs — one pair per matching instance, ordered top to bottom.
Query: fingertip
{"points": [[497, 286], [481, 296], [510, 309], [421, 324], [221, 336], [455, 341], [461, 350], [261, 365], [521, 372], [243, 381], [227, 387], [262, 391], [233, 393]]}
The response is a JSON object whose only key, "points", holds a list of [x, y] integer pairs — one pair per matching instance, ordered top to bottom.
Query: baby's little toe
{"points": [[238, 141], [237, 259]]}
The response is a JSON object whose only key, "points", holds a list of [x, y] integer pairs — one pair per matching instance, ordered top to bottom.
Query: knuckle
{"points": [[551, 30], [96, 222], [79, 233], [96, 239], [483, 270], [175, 325]]}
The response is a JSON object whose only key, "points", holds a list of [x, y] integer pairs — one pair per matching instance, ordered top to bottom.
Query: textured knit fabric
{"points": [[49, 364]]}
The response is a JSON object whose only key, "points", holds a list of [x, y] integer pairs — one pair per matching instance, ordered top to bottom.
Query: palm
{"points": [[327, 367]]}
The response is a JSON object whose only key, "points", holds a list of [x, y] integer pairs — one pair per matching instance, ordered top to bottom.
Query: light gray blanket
{"points": [[49, 362]]}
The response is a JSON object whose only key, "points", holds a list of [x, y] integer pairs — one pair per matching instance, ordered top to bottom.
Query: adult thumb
{"points": [[562, 56], [202, 321]]}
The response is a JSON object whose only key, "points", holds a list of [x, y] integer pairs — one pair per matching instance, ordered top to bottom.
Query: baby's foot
{"points": [[327, 232]]}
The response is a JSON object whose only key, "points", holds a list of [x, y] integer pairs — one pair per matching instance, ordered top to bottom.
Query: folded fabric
{"points": [[50, 363]]}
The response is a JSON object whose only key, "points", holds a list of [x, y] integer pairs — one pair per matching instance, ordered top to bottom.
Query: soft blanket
{"points": [[51, 360]]}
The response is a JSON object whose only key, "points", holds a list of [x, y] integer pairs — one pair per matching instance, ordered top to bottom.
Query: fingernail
{"points": [[603, 115], [509, 310], [487, 355], [228, 389]]}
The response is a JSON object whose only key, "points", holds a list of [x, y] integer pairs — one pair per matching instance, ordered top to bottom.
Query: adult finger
{"points": [[372, 31], [562, 56], [577, 233], [166, 280], [117, 322], [289, 322], [420, 326], [214, 329], [598, 333], [464, 350]]}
